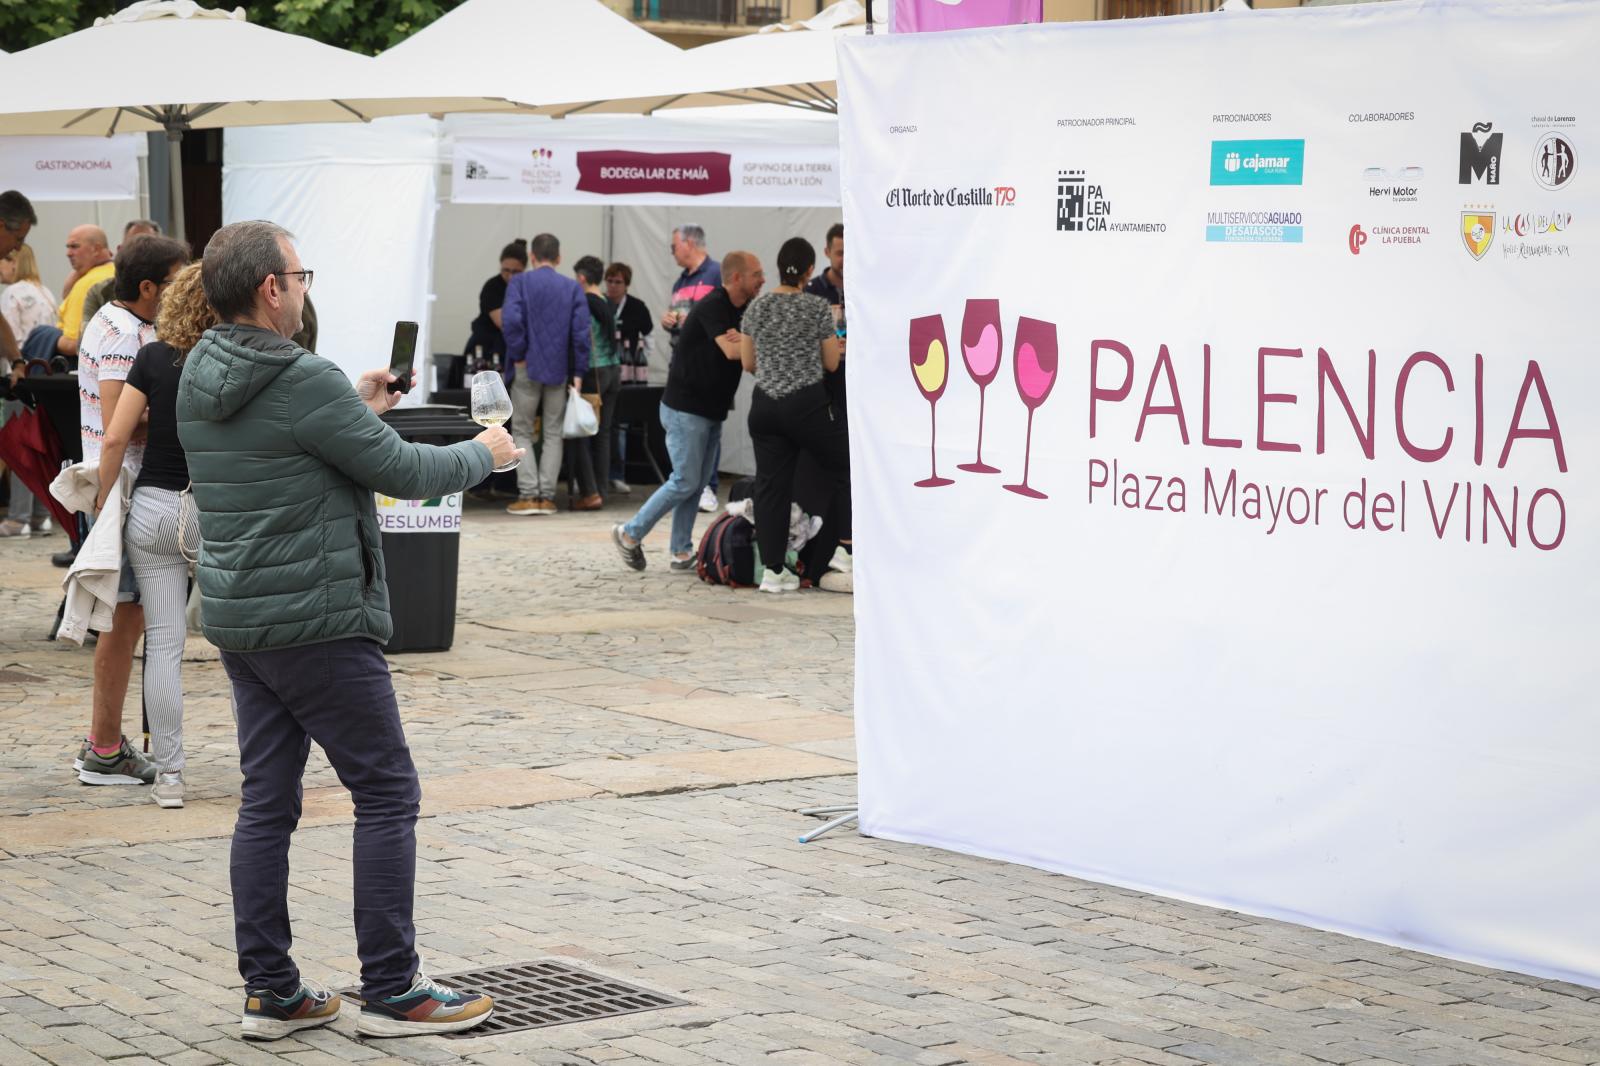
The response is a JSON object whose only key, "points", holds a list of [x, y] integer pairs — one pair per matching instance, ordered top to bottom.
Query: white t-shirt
{"points": [[25, 305], [105, 353]]}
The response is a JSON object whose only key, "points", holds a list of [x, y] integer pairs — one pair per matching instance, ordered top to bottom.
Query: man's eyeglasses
{"points": [[305, 277]]}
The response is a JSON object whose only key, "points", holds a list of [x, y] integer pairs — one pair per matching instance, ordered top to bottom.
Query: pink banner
{"points": [[924, 16], [614, 173]]}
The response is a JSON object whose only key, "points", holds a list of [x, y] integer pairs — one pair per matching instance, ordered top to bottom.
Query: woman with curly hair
{"points": [[162, 533]]}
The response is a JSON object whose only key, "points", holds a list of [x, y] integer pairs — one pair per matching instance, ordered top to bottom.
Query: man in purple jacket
{"points": [[546, 323]]}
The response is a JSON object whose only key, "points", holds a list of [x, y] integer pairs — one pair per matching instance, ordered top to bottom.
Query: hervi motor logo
{"points": [[1258, 162]]}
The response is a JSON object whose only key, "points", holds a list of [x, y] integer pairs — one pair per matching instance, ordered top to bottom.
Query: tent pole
{"points": [[175, 178], [608, 232]]}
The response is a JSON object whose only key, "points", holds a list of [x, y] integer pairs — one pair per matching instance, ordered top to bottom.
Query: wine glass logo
{"points": [[981, 345], [1035, 362], [930, 366]]}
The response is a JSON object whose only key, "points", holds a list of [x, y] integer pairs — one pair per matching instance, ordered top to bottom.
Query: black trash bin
{"points": [[422, 539]]}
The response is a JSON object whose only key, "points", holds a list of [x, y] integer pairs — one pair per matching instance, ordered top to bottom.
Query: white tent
{"points": [[539, 52], [794, 65], [200, 68]]}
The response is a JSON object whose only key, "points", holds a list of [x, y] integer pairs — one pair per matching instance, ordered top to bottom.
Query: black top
{"points": [[821, 286], [491, 297], [633, 325], [155, 373], [702, 381]]}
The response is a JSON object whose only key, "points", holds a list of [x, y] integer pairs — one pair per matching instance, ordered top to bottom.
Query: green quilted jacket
{"points": [[285, 459]]}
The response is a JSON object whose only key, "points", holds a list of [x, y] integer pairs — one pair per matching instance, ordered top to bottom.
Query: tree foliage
{"points": [[367, 26]]}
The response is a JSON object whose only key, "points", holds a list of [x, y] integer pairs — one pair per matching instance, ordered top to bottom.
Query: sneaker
{"points": [[620, 487], [708, 501], [588, 503], [525, 505], [13, 528], [43, 528], [633, 555], [841, 560], [687, 563], [780, 581], [837, 581], [83, 749], [123, 767], [168, 790], [426, 1008], [267, 1017]]}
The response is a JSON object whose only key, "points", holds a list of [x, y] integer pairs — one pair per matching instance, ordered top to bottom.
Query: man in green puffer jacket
{"points": [[285, 457]]}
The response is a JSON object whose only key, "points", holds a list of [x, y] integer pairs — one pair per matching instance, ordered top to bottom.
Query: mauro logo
{"points": [[1480, 154], [1276, 162], [1358, 237]]}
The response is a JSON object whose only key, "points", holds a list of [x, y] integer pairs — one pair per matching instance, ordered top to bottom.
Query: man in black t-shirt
{"points": [[700, 387]]}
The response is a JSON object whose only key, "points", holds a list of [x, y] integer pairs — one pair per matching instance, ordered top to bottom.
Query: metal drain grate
{"points": [[539, 994]]}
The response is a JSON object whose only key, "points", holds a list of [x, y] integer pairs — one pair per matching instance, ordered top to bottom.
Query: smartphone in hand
{"points": [[403, 355]]}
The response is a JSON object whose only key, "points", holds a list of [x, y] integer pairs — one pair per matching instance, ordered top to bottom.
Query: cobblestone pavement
{"points": [[612, 762]]}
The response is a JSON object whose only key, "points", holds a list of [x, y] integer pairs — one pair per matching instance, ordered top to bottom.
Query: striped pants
{"points": [[150, 540]]}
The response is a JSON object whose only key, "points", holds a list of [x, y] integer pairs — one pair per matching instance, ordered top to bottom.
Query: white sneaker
{"points": [[620, 487], [708, 501], [12, 528], [43, 528], [841, 560], [780, 581], [837, 581], [168, 790]]}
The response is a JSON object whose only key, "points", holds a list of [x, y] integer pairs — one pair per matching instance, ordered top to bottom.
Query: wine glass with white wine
{"points": [[491, 406]]}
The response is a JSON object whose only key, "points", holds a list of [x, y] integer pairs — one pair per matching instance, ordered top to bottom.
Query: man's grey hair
{"points": [[16, 211], [141, 223], [694, 234], [238, 259]]}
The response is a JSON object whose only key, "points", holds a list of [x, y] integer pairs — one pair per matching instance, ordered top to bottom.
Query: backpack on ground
{"points": [[727, 554]]}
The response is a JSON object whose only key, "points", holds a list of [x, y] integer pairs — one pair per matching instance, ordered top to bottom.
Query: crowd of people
{"points": [[551, 335], [197, 387]]}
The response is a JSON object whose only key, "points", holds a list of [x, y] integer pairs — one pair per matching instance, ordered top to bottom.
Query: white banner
{"points": [[49, 169], [556, 171], [1227, 497], [442, 514]]}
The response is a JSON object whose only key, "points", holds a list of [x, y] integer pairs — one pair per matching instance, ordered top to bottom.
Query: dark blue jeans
{"points": [[337, 694]]}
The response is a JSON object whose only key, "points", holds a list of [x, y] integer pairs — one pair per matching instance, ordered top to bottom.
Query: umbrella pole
{"points": [[175, 179]]}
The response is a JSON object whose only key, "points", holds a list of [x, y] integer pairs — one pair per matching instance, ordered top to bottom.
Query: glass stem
{"points": [[980, 425], [933, 437], [1027, 450]]}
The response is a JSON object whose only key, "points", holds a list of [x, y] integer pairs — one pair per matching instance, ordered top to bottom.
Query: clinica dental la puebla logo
{"points": [[1258, 162], [1384, 234]]}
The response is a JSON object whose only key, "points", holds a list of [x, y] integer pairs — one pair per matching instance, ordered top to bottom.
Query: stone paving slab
{"points": [[612, 762]]}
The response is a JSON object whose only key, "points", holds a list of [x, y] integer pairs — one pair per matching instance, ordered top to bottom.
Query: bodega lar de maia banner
{"points": [[566, 171]]}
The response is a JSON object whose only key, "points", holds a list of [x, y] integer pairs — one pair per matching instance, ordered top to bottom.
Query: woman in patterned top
{"points": [[789, 342]]}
